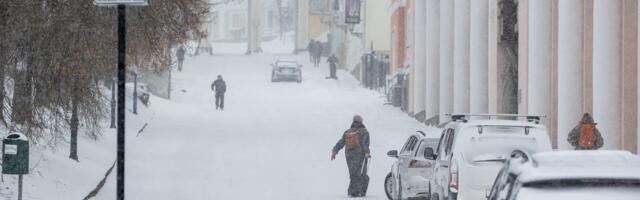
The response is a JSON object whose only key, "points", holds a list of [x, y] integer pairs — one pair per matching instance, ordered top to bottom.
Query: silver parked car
{"points": [[286, 71], [411, 173], [584, 175]]}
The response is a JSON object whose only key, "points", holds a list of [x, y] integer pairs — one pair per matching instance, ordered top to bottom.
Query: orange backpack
{"points": [[352, 138], [587, 138]]}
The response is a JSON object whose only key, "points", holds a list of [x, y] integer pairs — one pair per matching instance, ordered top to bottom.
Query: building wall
{"points": [[377, 21], [302, 25], [317, 26], [398, 39], [574, 56]]}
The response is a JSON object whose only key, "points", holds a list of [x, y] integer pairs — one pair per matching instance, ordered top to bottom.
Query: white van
{"points": [[470, 153]]}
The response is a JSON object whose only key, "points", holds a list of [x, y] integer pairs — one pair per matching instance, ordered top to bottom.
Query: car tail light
{"points": [[419, 164], [453, 177]]}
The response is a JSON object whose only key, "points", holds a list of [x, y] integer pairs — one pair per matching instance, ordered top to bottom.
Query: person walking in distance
{"points": [[311, 47], [317, 53], [180, 55], [333, 62], [219, 87], [355, 141]]}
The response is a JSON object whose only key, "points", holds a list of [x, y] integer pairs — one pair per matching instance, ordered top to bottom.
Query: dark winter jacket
{"points": [[180, 54], [332, 60], [219, 86], [574, 135], [364, 140]]}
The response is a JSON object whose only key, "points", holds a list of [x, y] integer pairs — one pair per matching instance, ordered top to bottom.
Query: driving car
{"points": [[286, 70], [471, 152], [411, 171], [584, 175]]}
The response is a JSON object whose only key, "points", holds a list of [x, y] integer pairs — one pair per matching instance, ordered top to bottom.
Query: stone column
{"points": [[573, 47], [461, 56], [478, 56], [523, 56], [419, 58], [446, 58], [539, 61], [433, 62], [607, 70]]}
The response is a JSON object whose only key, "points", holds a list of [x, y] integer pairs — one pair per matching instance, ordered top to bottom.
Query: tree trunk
{"points": [[3, 63], [22, 98], [73, 151]]}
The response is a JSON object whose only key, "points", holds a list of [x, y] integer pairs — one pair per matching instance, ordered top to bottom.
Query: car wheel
{"points": [[388, 186]]}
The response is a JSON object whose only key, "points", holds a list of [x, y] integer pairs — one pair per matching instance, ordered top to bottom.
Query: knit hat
{"points": [[357, 118]]}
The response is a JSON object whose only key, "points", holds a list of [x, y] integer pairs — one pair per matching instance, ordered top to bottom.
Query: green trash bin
{"points": [[15, 154]]}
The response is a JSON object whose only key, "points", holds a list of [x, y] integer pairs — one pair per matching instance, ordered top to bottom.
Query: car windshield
{"points": [[287, 64], [307, 99]]}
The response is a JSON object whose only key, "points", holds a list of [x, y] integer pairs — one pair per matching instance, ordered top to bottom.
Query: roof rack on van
{"points": [[464, 116], [421, 133]]}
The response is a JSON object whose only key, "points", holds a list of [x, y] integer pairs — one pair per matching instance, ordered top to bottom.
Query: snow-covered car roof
{"points": [[286, 64], [493, 122], [568, 165]]}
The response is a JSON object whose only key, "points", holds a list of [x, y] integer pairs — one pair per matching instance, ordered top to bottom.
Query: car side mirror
{"points": [[393, 153], [428, 154]]}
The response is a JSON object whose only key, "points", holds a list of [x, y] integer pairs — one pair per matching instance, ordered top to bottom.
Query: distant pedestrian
{"points": [[312, 53], [317, 53], [180, 55], [333, 64], [219, 87], [585, 136], [355, 141]]}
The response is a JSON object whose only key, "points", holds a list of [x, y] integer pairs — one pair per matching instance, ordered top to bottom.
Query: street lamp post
{"points": [[122, 46]]}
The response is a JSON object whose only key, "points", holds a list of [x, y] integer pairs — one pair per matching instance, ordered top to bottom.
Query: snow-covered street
{"points": [[272, 141]]}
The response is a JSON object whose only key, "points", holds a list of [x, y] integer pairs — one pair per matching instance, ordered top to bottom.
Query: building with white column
{"points": [[557, 58]]}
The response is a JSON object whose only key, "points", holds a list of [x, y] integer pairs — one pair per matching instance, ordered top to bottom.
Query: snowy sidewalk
{"points": [[272, 141]]}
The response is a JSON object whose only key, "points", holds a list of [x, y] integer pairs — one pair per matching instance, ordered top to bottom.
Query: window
{"points": [[451, 136], [409, 146]]}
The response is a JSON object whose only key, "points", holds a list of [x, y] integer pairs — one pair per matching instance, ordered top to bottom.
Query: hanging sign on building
{"points": [[121, 2], [352, 12]]}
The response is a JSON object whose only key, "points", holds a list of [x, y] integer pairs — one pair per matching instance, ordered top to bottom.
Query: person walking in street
{"points": [[312, 53], [317, 53], [180, 55], [333, 64], [219, 87], [585, 136], [355, 141]]}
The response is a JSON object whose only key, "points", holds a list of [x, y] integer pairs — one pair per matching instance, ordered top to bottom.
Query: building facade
{"points": [[229, 20], [558, 58]]}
